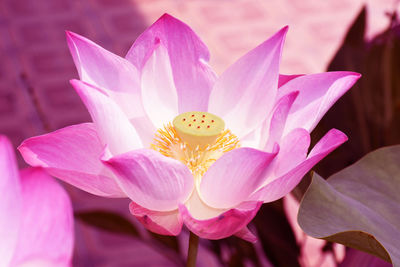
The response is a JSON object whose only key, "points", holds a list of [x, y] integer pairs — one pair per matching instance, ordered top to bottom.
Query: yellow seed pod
{"points": [[198, 128]]}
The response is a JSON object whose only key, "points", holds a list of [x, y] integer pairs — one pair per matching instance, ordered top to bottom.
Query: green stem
{"points": [[192, 251]]}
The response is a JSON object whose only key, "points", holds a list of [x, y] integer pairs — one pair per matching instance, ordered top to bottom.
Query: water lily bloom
{"points": [[188, 147], [36, 221]]}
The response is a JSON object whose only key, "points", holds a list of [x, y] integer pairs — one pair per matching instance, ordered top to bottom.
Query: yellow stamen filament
{"points": [[168, 142]]}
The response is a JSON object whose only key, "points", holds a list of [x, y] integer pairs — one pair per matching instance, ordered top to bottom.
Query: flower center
{"points": [[198, 128], [197, 139]]}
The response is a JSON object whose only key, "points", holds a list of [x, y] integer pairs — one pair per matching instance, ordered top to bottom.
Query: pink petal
{"points": [[188, 56], [102, 68], [115, 75], [283, 79], [318, 92], [244, 94], [159, 95], [132, 106], [278, 119], [113, 126], [145, 129], [270, 130], [256, 138], [293, 151], [72, 154], [234, 176], [151, 180], [285, 183], [11, 201], [200, 210], [163, 223], [223, 225], [46, 230], [246, 234], [312, 248], [42, 263]]}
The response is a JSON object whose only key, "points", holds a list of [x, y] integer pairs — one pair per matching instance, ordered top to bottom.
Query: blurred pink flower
{"points": [[132, 150], [36, 221], [312, 253]]}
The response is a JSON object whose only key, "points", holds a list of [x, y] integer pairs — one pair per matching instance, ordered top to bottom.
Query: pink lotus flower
{"points": [[190, 168], [36, 221]]}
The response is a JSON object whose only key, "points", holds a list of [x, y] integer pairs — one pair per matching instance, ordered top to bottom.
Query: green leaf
{"points": [[369, 113], [358, 206], [108, 221], [276, 235], [171, 242]]}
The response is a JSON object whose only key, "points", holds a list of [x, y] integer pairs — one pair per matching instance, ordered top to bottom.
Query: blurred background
{"points": [[35, 97]]}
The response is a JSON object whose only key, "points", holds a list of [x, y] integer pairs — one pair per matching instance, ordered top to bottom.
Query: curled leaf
{"points": [[358, 206]]}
